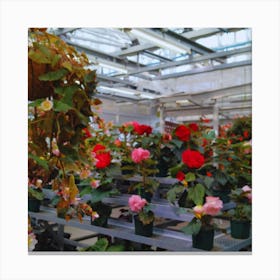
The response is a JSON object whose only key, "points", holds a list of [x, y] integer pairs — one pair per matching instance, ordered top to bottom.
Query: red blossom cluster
{"points": [[101, 156], [193, 159]]}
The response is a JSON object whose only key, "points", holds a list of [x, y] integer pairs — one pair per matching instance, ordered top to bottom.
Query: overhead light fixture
{"points": [[160, 41], [109, 64], [127, 91], [182, 102]]}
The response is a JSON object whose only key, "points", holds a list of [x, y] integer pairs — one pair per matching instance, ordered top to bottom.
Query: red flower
{"points": [[205, 120], [193, 127], [140, 129], [183, 132], [86, 133], [245, 134], [204, 142], [98, 147], [193, 159], [102, 160], [209, 174], [180, 176]]}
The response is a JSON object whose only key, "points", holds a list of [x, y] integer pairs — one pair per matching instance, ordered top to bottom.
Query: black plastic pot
{"points": [[34, 204], [104, 211], [141, 229], [240, 229], [204, 239]]}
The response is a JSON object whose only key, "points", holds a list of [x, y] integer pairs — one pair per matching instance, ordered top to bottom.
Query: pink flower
{"points": [[139, 155], [95, 183], [248, 192], [136, 203], [212, 206]]}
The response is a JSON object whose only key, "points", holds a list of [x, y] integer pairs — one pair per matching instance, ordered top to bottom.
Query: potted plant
{"points": [[241, 215], [143, 216], [201, 226]]}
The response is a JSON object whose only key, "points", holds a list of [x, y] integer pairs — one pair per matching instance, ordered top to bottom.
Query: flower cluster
{"points": [[139, 154], [101, 157], [192, 159], [136, 203]]}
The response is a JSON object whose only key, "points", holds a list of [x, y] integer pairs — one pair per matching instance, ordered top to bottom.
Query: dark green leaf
{"points": [[38, 57], [55, 59], [54, 75], [90, 77], [177, 143], [40, 161], [174, 170], [208, 181], [85, 190], [172, 193], [38, 194], [196, 194], [55, 200], [193, 227], [100, 245], [116, 248]]}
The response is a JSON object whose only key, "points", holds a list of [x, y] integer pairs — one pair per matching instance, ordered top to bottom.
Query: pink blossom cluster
{"points": [[139, 155], [248, 192], [136, 203], [211, 207]]}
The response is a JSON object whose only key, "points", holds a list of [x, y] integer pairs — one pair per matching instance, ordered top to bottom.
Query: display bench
{"points": [[163, 238]]}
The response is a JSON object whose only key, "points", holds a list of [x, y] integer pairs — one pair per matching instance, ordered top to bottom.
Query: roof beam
{"points": [[191, 60], [205, 69]]}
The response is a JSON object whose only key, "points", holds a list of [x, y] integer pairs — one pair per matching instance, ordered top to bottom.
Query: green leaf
{"points": [[38, 57], [55, 59], [54, 75], [90, 77], [36, 103], [59, 106], [177, 143], [40, 161], [174, 170], [190, 177], [221, 178], [208, 181], [85, 190], [172, 193], [38, 194], [196, 194], [98, 195], [55, 200], [193, 227], [100, 245], [116, 248]]}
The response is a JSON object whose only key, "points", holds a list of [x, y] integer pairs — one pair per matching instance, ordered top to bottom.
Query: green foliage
{"points": [[54, 75], [39, 160], [190, 177], [35, 193], [173, 193], [196, 194], [193, 227], [102, 245]]}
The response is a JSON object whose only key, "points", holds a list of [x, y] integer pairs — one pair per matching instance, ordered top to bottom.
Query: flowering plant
{"points": [[144, 166], [243, 199], [141, 207], [203, 215]]}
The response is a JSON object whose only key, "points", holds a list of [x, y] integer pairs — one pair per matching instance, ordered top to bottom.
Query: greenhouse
{"points": [[140, 139]]}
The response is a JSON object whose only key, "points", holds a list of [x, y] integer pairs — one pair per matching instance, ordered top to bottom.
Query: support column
{"points": [[161, 118], [216, 118]]}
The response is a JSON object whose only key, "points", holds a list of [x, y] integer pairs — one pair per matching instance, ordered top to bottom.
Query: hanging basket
{"points": [[36, 88], [141, 229], [240, 229], [204, 239]]}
